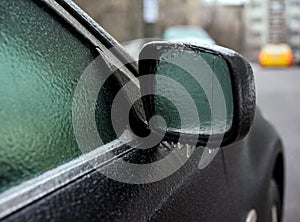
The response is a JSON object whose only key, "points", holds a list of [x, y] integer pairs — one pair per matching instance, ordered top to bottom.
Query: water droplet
{"points": [[179, 146], [189, 150]]}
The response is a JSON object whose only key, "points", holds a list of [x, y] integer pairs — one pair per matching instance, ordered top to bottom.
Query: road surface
{"points": [[278, 95]]}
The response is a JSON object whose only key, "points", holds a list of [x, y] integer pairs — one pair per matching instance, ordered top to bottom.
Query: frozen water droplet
{"points": [[179, 146], [189, 150], [207, 156]]}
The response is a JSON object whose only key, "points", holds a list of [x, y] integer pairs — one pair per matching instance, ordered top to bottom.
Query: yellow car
{"points": [[276, 55]]}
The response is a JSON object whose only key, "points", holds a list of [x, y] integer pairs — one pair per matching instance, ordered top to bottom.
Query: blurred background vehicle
{"points": [[188, 34], [193, 34], [276, 55]]}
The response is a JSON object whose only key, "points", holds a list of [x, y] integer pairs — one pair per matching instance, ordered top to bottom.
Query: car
{"points": [[187, 33], [276, 55], [88, 134]]}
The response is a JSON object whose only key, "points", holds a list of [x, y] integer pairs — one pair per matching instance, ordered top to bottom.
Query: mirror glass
{"points": [[192, 92]]}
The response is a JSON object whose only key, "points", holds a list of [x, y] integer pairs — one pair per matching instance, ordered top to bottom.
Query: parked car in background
{"points": [[187, 34], [276, 55]]}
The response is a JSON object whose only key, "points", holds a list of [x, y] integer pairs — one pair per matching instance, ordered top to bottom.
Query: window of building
{"points": [[256, 20]]}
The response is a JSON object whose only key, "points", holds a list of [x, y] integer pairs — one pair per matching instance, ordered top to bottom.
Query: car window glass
{"points": [[41, 62]]}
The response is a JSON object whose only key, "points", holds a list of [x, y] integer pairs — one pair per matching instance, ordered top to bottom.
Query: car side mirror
{"points": [[196, 93]]}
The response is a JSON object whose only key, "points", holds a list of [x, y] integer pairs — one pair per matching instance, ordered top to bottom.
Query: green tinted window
{"points": [[40, 65]]}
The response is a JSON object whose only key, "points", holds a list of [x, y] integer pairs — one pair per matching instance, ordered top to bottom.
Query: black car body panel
{"points": [[251, 164]]}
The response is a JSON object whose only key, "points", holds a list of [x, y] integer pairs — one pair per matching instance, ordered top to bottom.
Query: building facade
{"points": [[272, 21], [265, 23], [276, 24], [293, 26]]}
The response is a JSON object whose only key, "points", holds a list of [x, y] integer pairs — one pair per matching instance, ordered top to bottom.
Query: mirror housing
{"points": [[225, 88]]}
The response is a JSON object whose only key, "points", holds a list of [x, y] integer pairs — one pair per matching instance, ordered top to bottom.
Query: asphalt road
{"points": [[278, 96]]}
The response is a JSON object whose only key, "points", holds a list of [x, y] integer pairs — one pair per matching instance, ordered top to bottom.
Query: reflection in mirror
{"points": [[193, 92]]}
